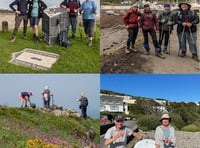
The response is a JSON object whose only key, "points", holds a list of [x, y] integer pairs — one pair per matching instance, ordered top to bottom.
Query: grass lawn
{"points": [[78, 58]]}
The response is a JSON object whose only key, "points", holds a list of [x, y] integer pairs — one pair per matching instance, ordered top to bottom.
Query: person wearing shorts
{"points": [[36, 8], [24, 98]]}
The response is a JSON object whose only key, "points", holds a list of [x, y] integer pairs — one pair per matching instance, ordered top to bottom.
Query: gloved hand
{"points": [[163, 21], [169, 23]]}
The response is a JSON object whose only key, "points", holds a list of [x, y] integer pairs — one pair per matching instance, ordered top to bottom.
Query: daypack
{"points": [[128, 16], [64, 39], [84, 101]]}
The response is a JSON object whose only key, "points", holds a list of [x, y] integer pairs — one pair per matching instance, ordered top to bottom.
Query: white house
{"points": [[113, 103]]}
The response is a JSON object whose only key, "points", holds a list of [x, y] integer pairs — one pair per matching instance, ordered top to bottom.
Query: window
{"points": [[114, 108]]}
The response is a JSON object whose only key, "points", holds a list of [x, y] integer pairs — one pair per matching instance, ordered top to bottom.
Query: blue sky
{"points": [[65, 87], [174, 87]]}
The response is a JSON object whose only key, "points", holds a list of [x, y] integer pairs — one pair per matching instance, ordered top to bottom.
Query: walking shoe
{"points": [[73, 36], [24, 37], [13, 39], [90, 43], [127, 50], [134, 50], [165, 51], [147, 53], [183, 54], [160, 55], [195, 57]]}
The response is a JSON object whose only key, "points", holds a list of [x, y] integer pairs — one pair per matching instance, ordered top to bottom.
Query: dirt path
{"points": [[114, 59]]}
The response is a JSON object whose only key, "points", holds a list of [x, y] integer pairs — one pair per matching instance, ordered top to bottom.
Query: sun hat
{"points": [[165, 116], [119, 118]]}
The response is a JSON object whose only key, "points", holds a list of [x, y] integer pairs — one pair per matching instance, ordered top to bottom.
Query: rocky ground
{"points": [[115, 60], [183, 139]]}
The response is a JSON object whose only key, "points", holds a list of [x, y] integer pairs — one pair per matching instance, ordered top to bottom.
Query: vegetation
{"points": [[78, 58], [22, 127]]}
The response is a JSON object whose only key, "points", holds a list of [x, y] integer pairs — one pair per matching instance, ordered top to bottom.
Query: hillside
{"points": [[31, 128]]}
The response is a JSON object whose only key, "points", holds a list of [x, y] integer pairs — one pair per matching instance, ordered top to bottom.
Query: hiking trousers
{"points": [[18, 20], [73, 23], [88, 27], [164, 34], [132, 35], [153, 36], [191, 38], [83, 111]]}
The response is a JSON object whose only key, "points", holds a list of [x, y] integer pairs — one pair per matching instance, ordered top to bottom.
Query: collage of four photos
{"points": [[99, 74]]}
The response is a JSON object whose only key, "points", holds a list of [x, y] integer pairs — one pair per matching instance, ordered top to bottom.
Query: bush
{"points": [[177, 121], [148, 122], [191, 128]]}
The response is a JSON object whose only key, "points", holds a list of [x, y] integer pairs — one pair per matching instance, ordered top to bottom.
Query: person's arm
{"points": [[12, 5], [44, 6], [94, 7], [196, 19], [156, 22], [138, 135], [157, 137], [110, 140]]}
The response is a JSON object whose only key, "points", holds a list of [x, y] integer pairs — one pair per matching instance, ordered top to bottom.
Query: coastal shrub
{"points": [[177, 121], [148, 122], [191, 128]]}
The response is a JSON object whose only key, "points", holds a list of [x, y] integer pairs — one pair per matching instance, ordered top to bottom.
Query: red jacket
{"points": [[131, 19], [149, 21]]}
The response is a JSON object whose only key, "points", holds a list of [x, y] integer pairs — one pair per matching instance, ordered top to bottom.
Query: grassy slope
{"points": [[79, 58], [20, 124]]}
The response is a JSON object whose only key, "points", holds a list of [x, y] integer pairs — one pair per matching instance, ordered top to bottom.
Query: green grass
{"points": [[78, 58], [18, 125]]}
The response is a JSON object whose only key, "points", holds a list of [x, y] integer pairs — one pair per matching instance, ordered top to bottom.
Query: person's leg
{"points": [[25, 18], [18, 20], [74, 24], [85, 25], [90, 31], [135, 33], [166, 35], [161, 36], [192, 38], [129, 40], [146, 41], [182, 43], [22, 101], [83, 110]]}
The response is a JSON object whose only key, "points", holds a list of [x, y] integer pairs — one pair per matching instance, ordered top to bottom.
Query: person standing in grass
{"points": [[72, 7], [36, 8], [88, 10], [21, 15], [46, 96], [24, 98], [83, 105], [165, 133]]}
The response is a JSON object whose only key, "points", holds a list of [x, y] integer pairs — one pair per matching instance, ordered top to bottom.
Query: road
{"points": [[130, 124]]}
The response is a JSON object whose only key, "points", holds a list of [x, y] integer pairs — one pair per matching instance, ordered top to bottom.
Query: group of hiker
{"points": [[34, 9], [185, 18], [46, 96], [25, 98], [116, 136]]}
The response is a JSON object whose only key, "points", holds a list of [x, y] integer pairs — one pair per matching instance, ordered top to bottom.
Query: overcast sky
{"points": [[65, 87], [174, 87]]}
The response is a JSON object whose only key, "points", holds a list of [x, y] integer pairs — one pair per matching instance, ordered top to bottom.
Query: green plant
{"points": [[191, 128]]}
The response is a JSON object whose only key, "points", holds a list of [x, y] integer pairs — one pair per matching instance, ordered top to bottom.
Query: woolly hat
{"points": [[146, 5], [166, 5]]}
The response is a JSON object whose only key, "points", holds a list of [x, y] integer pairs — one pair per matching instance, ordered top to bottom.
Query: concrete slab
{"points": [[35, 59]]}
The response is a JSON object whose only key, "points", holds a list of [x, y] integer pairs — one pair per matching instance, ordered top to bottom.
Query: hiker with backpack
{"points": [[72, 7], [36, 9], [88, 10], [21, 15], [131, 19], [165, 19], [187, 21], [148, 23], [46, 96], [24, 98], [83, 105], [165, 133]]}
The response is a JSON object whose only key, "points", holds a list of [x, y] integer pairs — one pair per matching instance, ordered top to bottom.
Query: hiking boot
{"points": [[73, 36], [24, 37], [13, 39], [36, 39], [90, 43], [127, 50], [134, 50], [165, 51], [147, 53], [183, 54], [160, 55], [195, 57]]}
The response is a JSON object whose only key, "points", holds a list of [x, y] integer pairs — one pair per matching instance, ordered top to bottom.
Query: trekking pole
{"points": [[80, 29], [94, 31], [161, 35], [191, 35], [169, 39], [181, 39]]}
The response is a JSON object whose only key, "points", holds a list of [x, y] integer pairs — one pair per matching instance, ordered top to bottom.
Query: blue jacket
{"points": [[88, 7]]}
